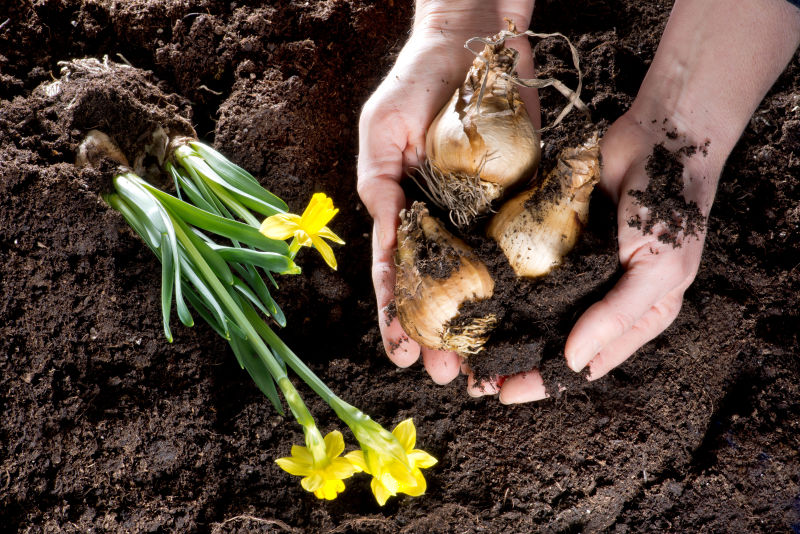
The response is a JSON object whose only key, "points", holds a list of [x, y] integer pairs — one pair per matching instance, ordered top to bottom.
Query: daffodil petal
{"points": [[315, 212], [319, 212], [281, 226], [327, 233], [303, 238], [325, 251], [406, 434], [334, 444], [302, 454], [420, 458], [357, 459], [294, 467], [341, 468], [402, 474], [312, 483], [417, 489], [330, 490], [381, 493]]}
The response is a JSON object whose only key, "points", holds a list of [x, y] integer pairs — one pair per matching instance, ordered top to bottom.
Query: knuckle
{"points": [[623, 322]]}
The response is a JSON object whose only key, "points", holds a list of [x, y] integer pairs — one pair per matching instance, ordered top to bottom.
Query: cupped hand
{"points": [[392, 128], [657, 269]]}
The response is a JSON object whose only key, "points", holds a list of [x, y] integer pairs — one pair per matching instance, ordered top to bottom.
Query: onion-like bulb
{"points": [[482, 142], [538, 227], [436, 274]]}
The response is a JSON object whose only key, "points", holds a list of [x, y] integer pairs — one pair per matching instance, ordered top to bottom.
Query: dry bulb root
{"points": [[538, 227], [436, 274]]}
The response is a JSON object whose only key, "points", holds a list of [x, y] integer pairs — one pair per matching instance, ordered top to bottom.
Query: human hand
{"points": [[715, 62], [392, 128], [679, 171]]}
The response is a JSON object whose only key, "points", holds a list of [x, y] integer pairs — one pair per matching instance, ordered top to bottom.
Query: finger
{"points": [[526, 70], [381, 144], [384, 198], [640, 288], [652, 323], [402, 350], [442, 366], [524, 387], [479, 389]]}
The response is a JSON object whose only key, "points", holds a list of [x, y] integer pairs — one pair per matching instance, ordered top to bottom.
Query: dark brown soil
{"points": [[106, 427]]}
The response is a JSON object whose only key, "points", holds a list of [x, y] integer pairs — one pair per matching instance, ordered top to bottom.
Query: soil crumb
{"points": [[665, 199], [432, 256], [391, 312]]}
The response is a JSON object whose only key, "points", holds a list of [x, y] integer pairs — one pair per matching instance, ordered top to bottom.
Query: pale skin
{"points": [[716, 61]]}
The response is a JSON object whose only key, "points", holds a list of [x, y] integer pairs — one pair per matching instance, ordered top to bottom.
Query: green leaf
{"points": [[170, 168], [241, 182], [185, 183], [210, 198], [145, 207], [134, 220], [219, 225], [214, 260], [270, 261], [272, 279], [167, 282], [256, 283], [245, 290], [207, 296], [203, 309], [261, 328], [257, 371]]}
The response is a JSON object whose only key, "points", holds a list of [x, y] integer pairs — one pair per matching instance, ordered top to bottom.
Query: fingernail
{"points": [[580, 357]]}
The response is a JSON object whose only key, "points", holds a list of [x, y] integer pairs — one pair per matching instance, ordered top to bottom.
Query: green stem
{"points": [[294, 247], [293, 398]]}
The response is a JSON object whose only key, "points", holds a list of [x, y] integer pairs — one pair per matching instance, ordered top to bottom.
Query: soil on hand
{"points": [[664, 197], [107, 427]]}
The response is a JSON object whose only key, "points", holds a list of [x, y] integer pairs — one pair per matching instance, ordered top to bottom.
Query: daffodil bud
{"points": [[482, 142], [538, 227], [436, 274]]}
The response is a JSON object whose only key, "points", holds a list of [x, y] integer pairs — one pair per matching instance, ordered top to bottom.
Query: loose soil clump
{"points": [[664, 197]]}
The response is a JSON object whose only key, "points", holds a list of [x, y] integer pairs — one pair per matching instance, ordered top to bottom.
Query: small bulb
{"points": [[537, 228], [436, 274]]}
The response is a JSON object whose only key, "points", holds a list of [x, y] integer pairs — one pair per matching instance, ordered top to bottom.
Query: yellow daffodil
{"points": [[307, 229], [322, 469], [391, 476]]}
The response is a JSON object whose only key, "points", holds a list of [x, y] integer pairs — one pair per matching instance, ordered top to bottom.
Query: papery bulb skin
{"points": [[479, 146], [537, 228], [436, 274]]}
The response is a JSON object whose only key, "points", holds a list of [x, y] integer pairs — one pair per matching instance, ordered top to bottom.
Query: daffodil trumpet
{"points": [[483, 143], [537, 228], [212, 254], [436, 274]]}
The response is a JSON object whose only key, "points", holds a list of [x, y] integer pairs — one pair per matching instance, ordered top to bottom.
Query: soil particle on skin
{"points": [[664, 197], [391, 312]]}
